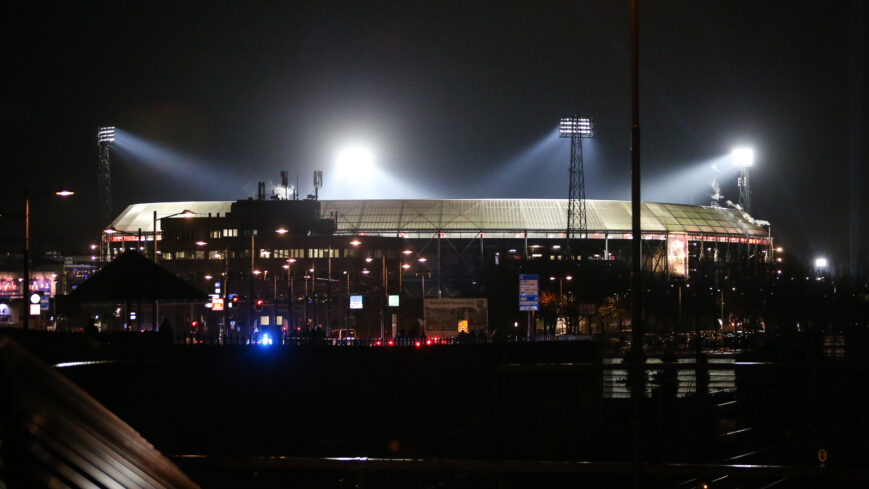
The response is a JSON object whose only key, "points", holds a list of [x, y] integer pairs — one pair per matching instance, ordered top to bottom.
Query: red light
{"points": [[193, 324], [427, 342], [378, 343], [390, 343], [417, 344]]}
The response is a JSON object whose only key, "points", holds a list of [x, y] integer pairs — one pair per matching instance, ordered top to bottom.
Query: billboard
{"points": [[677, 255], [355, 302], [444, 317]]}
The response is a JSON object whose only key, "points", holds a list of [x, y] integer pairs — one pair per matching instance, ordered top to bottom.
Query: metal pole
{"points": [[155, 237], [25, 283], [329, 294], [250, 297], [637, 368]]}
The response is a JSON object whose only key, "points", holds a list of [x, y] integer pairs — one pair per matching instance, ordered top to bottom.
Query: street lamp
{"points": [[186, 213], [25, 286], [560, 291]]}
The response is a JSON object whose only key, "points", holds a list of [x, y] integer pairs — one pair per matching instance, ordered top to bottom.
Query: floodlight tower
{"points": [[576, 128], [105, 137], [743, 158]]}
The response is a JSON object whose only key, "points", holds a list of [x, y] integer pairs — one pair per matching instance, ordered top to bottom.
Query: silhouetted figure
{"points": [[91, 328], [167, 335]]}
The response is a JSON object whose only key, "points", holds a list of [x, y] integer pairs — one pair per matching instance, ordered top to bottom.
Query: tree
{"points": [[613, 308]]}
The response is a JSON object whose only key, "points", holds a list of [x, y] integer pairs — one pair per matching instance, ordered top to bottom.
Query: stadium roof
{"points": [[492, 216]]}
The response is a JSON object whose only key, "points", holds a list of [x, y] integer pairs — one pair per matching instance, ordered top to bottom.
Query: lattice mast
{"points": [[576, 128], [105, 137]]}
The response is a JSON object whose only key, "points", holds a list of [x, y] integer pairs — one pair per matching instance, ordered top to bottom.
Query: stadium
{"points": [[366, 265]]}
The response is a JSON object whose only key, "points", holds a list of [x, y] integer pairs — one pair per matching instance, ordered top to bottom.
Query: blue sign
{"points": [[529, 297], [355, 302]]}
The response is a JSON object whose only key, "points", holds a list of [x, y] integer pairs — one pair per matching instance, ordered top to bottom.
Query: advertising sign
{"points": [[677, 255], [529, 298], [393, 301], [355, 302], [216, 303], [5, 313], [443, 316]]}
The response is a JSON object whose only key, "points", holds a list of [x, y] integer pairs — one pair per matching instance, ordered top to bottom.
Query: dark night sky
{"points": [[453, 99]]}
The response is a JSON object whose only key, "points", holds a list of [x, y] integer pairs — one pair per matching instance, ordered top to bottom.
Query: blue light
{"points": [[266, 340]]}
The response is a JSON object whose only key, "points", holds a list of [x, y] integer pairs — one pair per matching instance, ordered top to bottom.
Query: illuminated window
{"points": [[230, 233], [214, 234], [263, 253], [297, 253], [199, 254], [180, 255], [215, 255], [166, 256]]}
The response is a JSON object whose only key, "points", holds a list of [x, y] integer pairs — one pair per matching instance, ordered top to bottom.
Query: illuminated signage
{"points": [[677, 255], [393, 301], [355, 302], [216, 303], [5, 313]]}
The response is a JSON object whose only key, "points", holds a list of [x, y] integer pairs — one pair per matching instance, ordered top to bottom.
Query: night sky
{"points": [[455, 100]]}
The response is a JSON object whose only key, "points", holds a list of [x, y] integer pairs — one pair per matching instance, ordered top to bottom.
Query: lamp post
{"points": [[185, 213], [423, 275], [25, 285], [560, 293], [292, 296]]}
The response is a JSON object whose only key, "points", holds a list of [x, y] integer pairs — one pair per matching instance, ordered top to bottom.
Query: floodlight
{"points": [[582, 127], [106, 134], [743, 157], [355, 162], [820, 263]]}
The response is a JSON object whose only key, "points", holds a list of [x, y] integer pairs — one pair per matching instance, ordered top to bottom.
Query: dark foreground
{"points": [[493, 415]]}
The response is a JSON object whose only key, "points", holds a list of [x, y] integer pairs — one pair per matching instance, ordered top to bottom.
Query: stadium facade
{"points": [[305, 258]]}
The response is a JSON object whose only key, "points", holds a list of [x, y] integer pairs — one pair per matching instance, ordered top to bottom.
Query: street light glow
{"points": [[743, 157], [64, 193], [281, 231], [355, 242], [201, 243], [820, 262], [405, 266]]}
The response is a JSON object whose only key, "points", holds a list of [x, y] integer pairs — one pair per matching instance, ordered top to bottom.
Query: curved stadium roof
{"points": [[537, 217]]}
